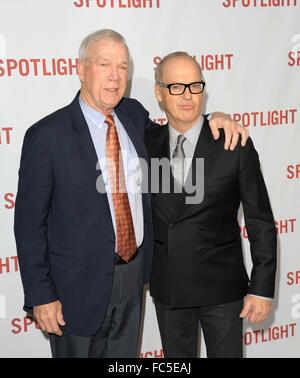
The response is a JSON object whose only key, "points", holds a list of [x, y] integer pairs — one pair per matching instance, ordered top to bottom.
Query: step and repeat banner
{"points": [[249, 51]]}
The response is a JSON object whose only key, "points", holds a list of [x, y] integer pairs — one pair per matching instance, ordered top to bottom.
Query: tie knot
{"points": [[110, 120], [180, 139]]}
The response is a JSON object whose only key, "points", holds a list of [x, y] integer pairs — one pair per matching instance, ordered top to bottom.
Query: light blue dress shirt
{"points": [[132, 170]]}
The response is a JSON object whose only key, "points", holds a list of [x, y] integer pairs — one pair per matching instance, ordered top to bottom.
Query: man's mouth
{"points": [[112, 90], [186, 106]]}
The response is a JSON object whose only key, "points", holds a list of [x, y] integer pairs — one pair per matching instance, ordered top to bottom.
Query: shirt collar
{"points": [[94, 115], [191, 135]]}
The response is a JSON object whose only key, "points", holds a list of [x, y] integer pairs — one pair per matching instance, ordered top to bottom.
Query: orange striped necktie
{"points": [[126, 242]]}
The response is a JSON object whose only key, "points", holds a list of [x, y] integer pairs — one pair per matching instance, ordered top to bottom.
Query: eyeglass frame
{"points": [[164, 85]]}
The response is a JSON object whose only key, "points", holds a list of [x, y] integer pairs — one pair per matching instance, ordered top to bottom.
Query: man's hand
{"points": [[231, 128], [256, 309], [49, 316]]}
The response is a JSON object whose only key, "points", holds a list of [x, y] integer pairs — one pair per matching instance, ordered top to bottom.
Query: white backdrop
{"points": [[250, 55]]}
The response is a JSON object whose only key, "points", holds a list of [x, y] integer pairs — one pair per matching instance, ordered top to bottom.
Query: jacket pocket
{"points": [[64, 263]]}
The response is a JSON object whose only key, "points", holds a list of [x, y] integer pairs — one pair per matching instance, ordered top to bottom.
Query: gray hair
{"points": [[97, 36], [158, 71]]}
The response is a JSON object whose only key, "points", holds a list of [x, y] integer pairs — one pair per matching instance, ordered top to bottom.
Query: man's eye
{"points": [[123, 67]]}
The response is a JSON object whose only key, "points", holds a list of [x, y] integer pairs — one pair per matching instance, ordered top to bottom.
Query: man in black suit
{"points": [[84, 241], [198, 271]]}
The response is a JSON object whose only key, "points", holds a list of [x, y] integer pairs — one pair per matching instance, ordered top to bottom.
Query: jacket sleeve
{"points": [[148, 123], [35, 187], [259, 223]]}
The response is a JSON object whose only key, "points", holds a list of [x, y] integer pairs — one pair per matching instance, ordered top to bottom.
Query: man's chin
{"points": [[112, 103], [109, 106], [189, 120]]}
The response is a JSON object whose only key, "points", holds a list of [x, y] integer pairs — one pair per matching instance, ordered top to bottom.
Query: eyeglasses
{"points": [[177, 89]]}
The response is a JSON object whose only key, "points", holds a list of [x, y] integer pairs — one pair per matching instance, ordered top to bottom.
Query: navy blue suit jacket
{"points": [[63, 227]]}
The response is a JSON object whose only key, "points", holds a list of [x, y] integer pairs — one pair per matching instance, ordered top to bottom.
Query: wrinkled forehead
{"points": [[107, 48]]}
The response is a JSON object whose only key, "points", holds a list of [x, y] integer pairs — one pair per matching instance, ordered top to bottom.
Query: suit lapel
{"points": [[131, 130], [140, 148], [161, 150], [204, 151], [88, 152]]}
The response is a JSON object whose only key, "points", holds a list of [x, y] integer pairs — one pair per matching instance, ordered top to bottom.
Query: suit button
{"points": [[171, 225], [112, 240], [110, 273]]}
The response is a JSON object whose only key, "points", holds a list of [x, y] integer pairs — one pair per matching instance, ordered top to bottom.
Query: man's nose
{"points": [[114, 73], [187, 94]]}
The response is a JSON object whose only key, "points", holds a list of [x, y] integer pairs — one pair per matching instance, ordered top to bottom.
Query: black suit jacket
{"points": [[63, 227], [198, 257]]}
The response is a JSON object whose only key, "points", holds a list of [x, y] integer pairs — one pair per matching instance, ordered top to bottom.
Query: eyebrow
{"points": [[99, 57]]}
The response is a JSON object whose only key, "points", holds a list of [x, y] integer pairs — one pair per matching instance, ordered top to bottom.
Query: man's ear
{"points": [[81, 70], [157, 93]]}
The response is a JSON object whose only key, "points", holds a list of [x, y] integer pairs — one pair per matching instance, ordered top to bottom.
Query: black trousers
{"points": [[222, 329], [119, 333]]}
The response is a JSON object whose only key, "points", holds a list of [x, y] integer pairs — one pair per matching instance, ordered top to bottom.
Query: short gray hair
{"points": [[97, 36], [158, 71]]}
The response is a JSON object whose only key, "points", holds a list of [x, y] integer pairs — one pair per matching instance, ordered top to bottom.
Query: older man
{"points": [[84, 243], [198, 271]]}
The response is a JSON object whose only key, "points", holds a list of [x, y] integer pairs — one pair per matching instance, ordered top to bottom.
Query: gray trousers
{"points": [[221, 325], [119, 333]]}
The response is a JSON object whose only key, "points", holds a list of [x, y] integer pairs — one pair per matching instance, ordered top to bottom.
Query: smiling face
{"points": [[104, 75], [182, 111]]}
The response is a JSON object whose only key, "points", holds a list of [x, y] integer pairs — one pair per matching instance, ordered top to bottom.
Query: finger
{"points": [[214, 129], [228, 135], [245, 136], [234, 140], [246, 309], [244, 312], [250, 314], [265, 314], [59, 315], [256, 316], [253, 317], [264, 317], [39, 318], [60, 318], [43, 319], [41, 324], [49, 324], [48, 327], [54, 327]]}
